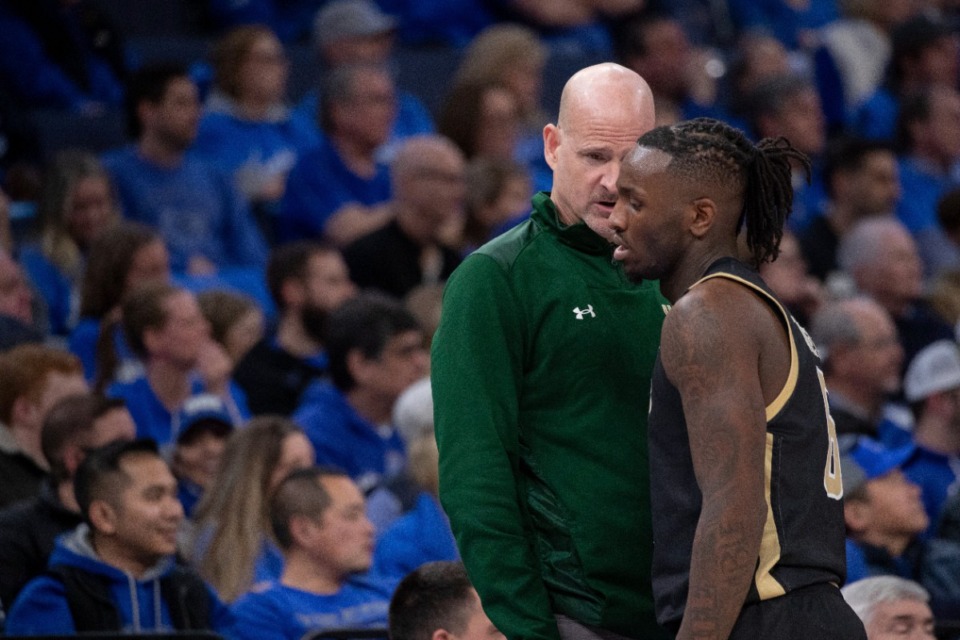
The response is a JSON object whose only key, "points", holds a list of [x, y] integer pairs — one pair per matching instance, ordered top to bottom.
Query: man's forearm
{"points": [[723, 560]]}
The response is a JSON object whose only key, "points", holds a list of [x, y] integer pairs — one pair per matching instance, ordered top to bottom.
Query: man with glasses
{"points": [[428, 195], [375, 350], [862, 360]]}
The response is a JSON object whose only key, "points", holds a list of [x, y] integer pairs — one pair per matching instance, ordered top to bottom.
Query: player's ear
{"points": [[703, 215]]}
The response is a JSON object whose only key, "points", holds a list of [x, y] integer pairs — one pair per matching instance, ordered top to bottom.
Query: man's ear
{"points": [[551, 143], [704, 213], [292, 292], [150, 340], [357, 365], [23, 411], [72, 455], [856, 514], [103, 517], [302, 529], [441, 634]]}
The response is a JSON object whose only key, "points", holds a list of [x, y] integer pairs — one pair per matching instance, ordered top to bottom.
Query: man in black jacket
{"points": [[75, 425]]}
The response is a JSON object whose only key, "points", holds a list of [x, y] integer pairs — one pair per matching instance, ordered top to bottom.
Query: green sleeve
{"points": [[477, 369]]}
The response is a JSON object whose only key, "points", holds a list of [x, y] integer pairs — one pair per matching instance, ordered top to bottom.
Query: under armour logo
{"points": [[583, 312]]}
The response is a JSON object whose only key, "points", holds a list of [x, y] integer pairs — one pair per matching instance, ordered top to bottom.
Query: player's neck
{"points": [[688, 271]]}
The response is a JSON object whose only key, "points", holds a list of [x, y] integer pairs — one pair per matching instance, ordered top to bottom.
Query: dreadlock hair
{"points": [[708, 149]]}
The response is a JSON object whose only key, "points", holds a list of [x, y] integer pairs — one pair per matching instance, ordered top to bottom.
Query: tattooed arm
{"points": [[710, 350]]}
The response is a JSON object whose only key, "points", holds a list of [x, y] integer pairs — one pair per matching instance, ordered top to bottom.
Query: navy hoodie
{"points": [[42, 607]]}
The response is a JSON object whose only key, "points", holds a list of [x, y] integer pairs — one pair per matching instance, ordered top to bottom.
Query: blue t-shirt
{"points": [[783, 20], [876, 117], [413, 119], [251, 150], [318, 186], [922, 186], [195, 208], [59, 293], [83, 344], [153, 420], [341, 437], [936, 474], [421, 535], [283, 613]]}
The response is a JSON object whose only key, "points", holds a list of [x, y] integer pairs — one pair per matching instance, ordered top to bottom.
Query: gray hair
{"points": [[859, 246], [835, 324], [864, 595]]}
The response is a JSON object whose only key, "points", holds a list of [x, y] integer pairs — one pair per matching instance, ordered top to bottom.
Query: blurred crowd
{"points": [[236, 250]]}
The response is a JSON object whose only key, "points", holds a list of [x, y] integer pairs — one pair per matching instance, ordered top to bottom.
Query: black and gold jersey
{"points": [[803, 538]]}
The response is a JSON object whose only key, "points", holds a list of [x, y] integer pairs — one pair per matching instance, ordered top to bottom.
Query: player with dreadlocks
{"points": [[745, 471]]}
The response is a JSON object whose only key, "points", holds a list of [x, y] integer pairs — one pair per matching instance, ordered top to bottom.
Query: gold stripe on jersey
{"points": [[786, 392], [767, 585]]}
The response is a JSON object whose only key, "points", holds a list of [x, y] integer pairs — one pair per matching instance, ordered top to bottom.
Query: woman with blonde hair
{"points": [[77, 201], [234, 547]]}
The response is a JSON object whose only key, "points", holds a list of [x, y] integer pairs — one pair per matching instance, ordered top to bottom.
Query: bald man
{"points": [[427, 175], [541, 373]]}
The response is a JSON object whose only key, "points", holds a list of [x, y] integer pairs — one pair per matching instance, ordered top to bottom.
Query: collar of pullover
{"points": [[579, 235]]}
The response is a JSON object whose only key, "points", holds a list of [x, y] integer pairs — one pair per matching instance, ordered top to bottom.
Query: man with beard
{"points": [[205, 223], [307, 280], [745, 473]]}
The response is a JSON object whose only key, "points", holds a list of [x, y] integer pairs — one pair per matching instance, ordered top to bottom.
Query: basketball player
{"points": [[745, 471]]}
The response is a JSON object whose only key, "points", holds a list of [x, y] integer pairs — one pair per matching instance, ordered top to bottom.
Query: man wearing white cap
{"points": [[932, 387]]}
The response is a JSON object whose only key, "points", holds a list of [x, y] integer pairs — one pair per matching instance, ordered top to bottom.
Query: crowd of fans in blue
{"points": [[245, 283]]}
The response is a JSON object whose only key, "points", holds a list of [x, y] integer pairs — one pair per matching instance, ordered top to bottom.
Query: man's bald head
{"points": [[595, 88], [604, 109], [419, 151], [428, 184]]}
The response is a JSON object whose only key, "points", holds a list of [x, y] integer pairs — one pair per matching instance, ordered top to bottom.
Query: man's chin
{"points": [[601, 226]]}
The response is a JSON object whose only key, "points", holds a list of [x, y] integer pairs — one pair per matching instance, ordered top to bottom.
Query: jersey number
{"points": [[832, 479]]}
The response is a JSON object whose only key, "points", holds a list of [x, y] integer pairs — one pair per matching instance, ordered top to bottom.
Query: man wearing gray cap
{"points": [[357, 31], [932, 387]]}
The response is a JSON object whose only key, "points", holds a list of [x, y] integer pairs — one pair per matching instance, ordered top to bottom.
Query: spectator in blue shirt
{"points": [[357, 31], [923, 54], [790, 106], [247, 130], [929, 141], [338, 190], [77, 201], [205, 223], [121, 258], [165, 328], [376, 351], [932, 387], [205, 424], [883, 512], [318, 520]]}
